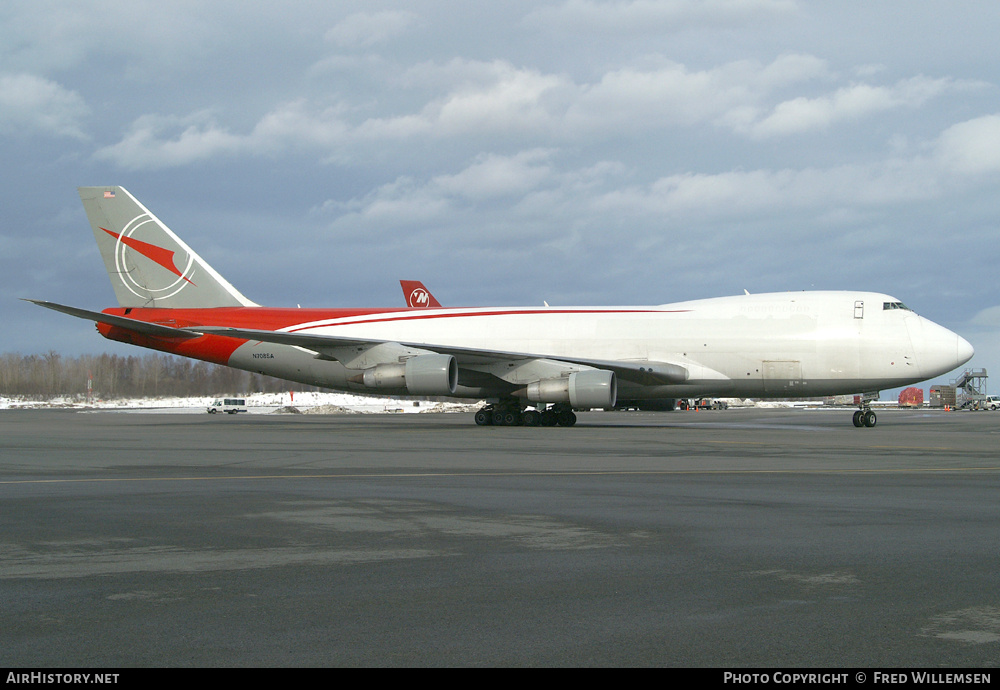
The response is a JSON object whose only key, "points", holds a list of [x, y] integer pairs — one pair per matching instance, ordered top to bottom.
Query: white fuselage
{"points": [[768, 345]]}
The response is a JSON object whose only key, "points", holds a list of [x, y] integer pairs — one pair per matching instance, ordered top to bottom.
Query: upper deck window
{"points": [[895, 305]]}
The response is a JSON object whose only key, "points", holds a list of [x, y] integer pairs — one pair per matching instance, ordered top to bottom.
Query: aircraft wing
{"points": [[144, 327], [340, 348], [509, 366]]}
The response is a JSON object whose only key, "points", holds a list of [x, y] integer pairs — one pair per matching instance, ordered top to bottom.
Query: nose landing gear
{"points": [[865, 416]]}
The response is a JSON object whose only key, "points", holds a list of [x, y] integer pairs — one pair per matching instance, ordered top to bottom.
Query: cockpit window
{"points": [[895, 305]]}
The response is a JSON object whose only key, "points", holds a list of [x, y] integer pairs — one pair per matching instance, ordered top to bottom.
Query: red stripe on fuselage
{"points": [[423, 314], [210, 348], [218, 349]]}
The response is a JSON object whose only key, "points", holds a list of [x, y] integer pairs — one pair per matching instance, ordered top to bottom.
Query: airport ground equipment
{"points": [[972, 383]]}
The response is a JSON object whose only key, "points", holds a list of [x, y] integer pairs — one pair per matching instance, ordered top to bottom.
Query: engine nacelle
{"points": [[421, 375], [583, 389]]}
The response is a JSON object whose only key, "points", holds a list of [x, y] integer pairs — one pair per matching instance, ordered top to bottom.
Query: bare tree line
{"points": [[113, 376]]}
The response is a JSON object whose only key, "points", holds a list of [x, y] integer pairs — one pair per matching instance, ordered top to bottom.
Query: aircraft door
{"points": [[782, 376]]}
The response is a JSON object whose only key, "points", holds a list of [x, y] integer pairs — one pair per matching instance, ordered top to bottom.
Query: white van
{"points": [[228, 405]]}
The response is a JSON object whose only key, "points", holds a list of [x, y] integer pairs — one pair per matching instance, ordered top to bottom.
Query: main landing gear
{"points": [[513, 414]]}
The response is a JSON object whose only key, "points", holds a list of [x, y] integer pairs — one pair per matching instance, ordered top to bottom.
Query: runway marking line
{"points": [[764, 443], [566, 473]]}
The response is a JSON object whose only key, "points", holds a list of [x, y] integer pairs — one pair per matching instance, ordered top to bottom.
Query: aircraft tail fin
{"points": [[148, 264], [417, 295]]}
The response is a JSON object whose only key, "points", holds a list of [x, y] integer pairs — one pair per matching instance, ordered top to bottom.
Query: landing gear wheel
{"points": [[484, 418], [506, 418], [531, 418], [549, 418], [567, 418], [865, 418]]}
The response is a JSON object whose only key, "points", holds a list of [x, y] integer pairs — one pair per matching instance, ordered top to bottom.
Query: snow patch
{"points": [[257, 403]]}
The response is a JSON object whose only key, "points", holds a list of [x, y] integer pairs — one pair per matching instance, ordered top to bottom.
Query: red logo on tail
{"points": [[159, 255]]}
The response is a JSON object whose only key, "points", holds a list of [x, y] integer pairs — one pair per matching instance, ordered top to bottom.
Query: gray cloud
{"points": [[367, 29], [35, 105]]}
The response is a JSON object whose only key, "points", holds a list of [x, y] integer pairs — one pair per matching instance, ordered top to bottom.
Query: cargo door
{"points": [[783, 377]]}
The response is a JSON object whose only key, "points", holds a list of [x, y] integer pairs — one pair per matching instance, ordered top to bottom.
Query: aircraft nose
{"points": [[938, 349], [963, 350]]}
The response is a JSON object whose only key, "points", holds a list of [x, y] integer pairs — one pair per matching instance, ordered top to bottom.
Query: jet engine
{"points": [[421, 375], [582, 389]]}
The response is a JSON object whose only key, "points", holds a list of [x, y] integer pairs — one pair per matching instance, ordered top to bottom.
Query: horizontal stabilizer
{"points": [[152, 329]]}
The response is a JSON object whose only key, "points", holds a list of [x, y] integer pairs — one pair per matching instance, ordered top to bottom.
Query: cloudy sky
{"points": [[574, 151]]}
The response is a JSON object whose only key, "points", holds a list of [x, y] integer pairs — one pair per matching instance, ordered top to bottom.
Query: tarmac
{"points": [[731, 539]]}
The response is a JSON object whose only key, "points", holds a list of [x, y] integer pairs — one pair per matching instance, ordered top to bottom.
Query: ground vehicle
{"points": [[992, 402], [703, 404], [228, 405]]}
